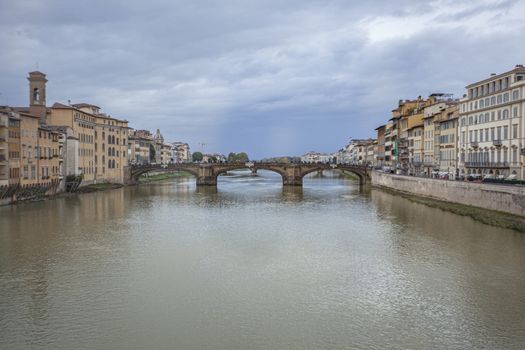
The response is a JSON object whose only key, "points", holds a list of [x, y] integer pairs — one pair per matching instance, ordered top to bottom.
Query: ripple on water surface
{"points": [[250, 265]]}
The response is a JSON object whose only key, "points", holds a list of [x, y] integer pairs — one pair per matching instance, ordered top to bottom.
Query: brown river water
{"points": [[251, 265]]}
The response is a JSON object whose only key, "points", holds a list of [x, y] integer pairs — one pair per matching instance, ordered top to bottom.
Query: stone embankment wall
{"points": [[505, 198]]}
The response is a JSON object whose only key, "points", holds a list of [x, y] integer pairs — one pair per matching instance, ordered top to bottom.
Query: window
{"points": [[515, 95], [499, 99], [515, 112], [505, 114], [515, 131], [505, 132]]}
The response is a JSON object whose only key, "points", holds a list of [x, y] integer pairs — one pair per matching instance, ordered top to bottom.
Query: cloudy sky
{"points": [[269, 77]]}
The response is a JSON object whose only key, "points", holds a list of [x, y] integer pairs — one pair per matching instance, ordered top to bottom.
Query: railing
{"points": [[496, 142], [474, 144], [486, 164]]}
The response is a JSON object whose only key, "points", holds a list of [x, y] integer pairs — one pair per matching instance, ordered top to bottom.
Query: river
{"points": [[251, 265]]}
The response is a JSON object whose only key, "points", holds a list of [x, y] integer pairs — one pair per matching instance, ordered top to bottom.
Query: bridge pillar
{"points": [[254, 171], [292, 176], [207, 177]]}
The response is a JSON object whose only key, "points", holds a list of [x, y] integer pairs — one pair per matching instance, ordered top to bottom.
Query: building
{"points": [[434, 107], [408, 114], [491, 127], [5, 130], [447, 138], [389, 148], [415, 149], [29, 150], [180, 152], [102, 153], [163, 154], [316, 157], [214, 158], [380, 158]]}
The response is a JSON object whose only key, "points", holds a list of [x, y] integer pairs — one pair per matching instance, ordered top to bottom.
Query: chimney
{"points": [[519, 66], [493, 74]]}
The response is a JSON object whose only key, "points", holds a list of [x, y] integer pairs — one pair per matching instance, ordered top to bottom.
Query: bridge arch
{"points": [[137, 172], [207, 174]]}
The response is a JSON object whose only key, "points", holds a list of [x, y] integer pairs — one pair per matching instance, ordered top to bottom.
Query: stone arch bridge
{"points": [[206, 174]]}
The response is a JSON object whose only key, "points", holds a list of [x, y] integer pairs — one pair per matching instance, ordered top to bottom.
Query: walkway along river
{"points": [[250, 265]]}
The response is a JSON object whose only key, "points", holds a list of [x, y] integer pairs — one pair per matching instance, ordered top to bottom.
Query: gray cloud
{"points": [[272, 77]]}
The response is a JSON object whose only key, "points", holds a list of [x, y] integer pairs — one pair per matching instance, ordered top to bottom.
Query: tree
{"points": [[151, 154], [196, 156], [238, 157], [242, 157]]}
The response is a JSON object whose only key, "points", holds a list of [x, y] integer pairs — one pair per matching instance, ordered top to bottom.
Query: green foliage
{"points": [[151, 153], [196, 156], [238, 157]]}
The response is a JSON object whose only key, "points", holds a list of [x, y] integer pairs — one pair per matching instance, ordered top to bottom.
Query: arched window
{"points": [[36, 95], [109, 139], [113, 139], [109, 151], [109, 163], [113, 163]]}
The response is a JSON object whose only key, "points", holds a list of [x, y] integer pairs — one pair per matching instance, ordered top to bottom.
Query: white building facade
{"points": [[491, 126]]}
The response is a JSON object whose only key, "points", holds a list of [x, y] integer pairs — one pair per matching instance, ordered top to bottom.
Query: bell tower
{"points": [[37, 94]]}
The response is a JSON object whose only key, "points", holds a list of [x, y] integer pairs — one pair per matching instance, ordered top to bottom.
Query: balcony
{"points": [[497, 143], [474, 144], [3, 158], [487, 165]]}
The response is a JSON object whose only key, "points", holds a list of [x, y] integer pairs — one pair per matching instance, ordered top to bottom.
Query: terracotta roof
{"points": [[36, 72], [60, 105], [80, 105]]}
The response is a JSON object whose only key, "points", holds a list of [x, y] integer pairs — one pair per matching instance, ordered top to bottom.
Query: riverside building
{"points": [[491, 126]]}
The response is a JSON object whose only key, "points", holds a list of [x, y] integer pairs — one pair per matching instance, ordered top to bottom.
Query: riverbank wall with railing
{"points": [[503, 198]]}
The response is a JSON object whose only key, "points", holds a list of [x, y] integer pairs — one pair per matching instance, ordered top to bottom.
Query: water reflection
{"points": [[253, 264]]}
